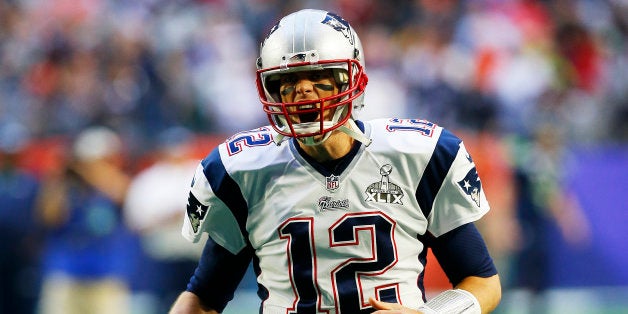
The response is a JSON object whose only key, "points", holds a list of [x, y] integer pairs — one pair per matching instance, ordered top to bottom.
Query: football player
{"points": [[335, 213]]}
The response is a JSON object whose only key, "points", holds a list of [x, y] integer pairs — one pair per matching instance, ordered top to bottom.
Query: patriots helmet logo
{"points": [[339, 24], [299, 57], [471, 185], [196, 212]]}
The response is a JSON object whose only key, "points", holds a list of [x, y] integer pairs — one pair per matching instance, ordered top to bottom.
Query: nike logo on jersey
{"points": [[471, 185], [384, 191], [196, 212]]}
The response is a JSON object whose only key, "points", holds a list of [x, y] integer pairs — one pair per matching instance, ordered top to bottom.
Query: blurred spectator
{"points": [[543, 201], [154, 204], [19, 236], [86, 254]]}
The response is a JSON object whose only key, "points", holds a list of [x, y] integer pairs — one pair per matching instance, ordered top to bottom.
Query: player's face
{"points": [[307, 86]]}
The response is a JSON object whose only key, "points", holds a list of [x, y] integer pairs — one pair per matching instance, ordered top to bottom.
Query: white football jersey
{"points": [[326, 242]]}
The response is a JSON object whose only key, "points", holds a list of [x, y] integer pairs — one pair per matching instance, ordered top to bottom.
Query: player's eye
{"points": [[320, 75], [316, 76], [288, 79], [287, 90]]}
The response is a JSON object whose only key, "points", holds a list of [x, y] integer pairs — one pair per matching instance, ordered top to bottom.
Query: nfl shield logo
{"points": [[332, 182]]}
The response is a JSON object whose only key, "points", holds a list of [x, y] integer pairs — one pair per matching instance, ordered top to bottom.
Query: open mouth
{"points": [[311, 114]]}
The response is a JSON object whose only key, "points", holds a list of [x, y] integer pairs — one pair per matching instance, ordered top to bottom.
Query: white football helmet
{"points": [[312, 40]]}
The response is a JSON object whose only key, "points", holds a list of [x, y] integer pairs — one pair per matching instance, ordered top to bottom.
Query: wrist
{"points": [[455, 301]]}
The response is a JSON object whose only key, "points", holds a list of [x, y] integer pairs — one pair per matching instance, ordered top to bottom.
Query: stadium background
{"points": [[537, 89]]}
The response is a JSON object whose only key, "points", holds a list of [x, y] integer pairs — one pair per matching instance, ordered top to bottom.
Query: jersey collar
{"points": [[337, 166]]}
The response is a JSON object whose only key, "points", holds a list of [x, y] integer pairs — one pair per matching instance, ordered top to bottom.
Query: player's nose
{"points": [[304, 86]]}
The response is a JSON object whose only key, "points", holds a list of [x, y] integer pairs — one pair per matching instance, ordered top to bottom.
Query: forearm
{"points": [[105, 177], [52, 207], [465, 259], [486, 290], [189, 303]]}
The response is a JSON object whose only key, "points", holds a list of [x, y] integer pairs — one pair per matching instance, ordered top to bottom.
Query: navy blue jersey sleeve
{"points": [[462, 253], [218, 274]]}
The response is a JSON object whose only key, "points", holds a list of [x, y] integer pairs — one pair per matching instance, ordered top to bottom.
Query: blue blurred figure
{"points": [[19, 242], [87, 256]]}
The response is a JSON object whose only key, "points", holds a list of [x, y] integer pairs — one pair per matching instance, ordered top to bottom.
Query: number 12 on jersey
{"points": [[349, 296]]}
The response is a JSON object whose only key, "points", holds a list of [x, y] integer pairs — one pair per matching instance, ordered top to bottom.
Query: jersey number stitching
{"points": [[424, 127], [249, 138], [346, 277]]}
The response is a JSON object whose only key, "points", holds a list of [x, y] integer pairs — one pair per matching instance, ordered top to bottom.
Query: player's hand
{"points": [[390, 308]]}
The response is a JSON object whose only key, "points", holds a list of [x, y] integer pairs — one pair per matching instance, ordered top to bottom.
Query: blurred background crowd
{"points": [[106, 106]]}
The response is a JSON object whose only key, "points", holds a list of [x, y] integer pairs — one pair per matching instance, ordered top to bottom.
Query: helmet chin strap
{"points": [[350, 128], [354, 131], [278, 138], [311, 141]]}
